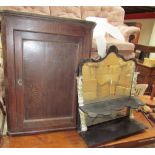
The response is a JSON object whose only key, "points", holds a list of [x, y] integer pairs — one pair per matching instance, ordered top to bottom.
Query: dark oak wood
{"points": [[138, 9], [145, 15], [146, 49], [41, 56], [146, 76], [153, 91]]}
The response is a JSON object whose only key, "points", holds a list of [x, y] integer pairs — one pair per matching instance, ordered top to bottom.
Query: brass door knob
{"points": [[20, 82]]}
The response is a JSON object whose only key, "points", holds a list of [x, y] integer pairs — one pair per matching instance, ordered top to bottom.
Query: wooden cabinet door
{"points": [[41, 56], [45, 80]]}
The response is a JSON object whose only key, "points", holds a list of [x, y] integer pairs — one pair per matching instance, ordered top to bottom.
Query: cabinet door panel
{"points": [[41, 55], [45, 80]]}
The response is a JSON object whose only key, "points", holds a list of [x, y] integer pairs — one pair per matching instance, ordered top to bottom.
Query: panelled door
{"points": [[41, 57], [45, 67]]}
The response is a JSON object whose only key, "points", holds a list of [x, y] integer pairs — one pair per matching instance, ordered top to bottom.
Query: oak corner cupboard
{"points": [[41, 55]]}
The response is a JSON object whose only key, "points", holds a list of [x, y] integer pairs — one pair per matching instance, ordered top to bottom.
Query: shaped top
{"points": [[108, 77]]}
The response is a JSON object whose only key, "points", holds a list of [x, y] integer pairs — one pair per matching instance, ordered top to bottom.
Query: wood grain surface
{"points": [[41, 55]]}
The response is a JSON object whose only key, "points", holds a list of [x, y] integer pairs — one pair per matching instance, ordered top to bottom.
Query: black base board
{"points": [[112, 130]]}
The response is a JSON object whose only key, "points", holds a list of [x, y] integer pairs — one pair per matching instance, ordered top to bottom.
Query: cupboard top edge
{"points": [[46, 17]]}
